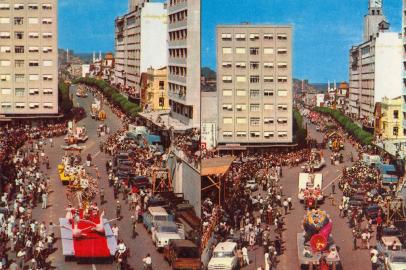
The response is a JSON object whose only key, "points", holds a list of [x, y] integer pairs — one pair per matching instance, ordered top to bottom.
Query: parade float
{"points": [[81, 92], [96, 110], [75, 134], [315, 163], [68, 166], [310, 189], [86, 235], [315, 244]]}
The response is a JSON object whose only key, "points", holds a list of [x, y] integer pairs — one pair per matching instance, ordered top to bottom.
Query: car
{"points": [[140, 182], [251, 185], [357, 200], [371, 211], [153, 215], [163, 231], [389, 245], [182, 254], [224, 257], [396, 261]]}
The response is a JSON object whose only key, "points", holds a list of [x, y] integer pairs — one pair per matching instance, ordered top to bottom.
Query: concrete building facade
{"points": [[140, 41], [28, 58], [184, 60], [404, 62], [375, 70], [254, 84], [156, 96], [391, 119]]}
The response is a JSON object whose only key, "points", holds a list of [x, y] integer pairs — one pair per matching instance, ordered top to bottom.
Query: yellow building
{"points": [[156, 93], [391, 119]]}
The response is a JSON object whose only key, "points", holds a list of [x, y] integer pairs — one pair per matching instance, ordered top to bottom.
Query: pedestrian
{"points": [[89, 160], [333, 188], [101, 196], [44, 199], [290, 203], [285, 206], [118, 210], [115, 231], [354, 240], [245, 257], [147, 261], [267, 261], [374, 261]]}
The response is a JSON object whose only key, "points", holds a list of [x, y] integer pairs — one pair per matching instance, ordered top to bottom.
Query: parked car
{"points": [[140, 182], [371, 211], [153, 215], [164, 231], [182, 254], [224, 257], [396, 261]]}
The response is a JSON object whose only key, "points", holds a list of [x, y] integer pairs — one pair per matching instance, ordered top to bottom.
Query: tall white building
{"points": [[140, 41], [28, 58], [184, 60], [404, 62], [375, 70]]}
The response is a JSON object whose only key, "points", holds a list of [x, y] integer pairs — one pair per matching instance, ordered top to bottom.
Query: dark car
{"points": [[140, 182], [357, 201], [371, 211]]}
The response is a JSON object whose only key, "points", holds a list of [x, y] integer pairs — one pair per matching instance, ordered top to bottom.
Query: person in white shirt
{"points": [[246, 260], [147, 262]]}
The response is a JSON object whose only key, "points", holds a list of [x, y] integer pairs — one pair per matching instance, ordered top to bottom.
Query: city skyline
{"points": [[320, 50]]}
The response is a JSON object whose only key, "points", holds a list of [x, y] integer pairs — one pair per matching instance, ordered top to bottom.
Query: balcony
{"points": [[178, 7], [177, 25], [174, 61], [177, 79], [404, 107], [404, 123]]}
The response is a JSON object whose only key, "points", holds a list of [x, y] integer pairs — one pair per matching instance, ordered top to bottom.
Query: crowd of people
{"points": [[188, 145], [25, 242]]}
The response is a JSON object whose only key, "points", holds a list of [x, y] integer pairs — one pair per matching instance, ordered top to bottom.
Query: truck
{"points": [[310, 189], [155, 214], [163, 231], [182, 254], [224, 257]]}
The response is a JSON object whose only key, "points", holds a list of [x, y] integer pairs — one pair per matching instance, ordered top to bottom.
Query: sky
{"points": [[88, 25], [324, 30]]}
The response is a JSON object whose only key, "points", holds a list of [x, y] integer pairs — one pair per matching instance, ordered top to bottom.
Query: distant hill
{"points": [[208, 73]]}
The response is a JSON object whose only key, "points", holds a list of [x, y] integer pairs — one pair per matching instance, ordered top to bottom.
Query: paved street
{"points": [[58, 202], [342, 234]]}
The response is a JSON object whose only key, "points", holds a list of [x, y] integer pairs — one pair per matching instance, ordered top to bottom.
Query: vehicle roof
{"points": [[157, 210], [165, 223], [179, 243], [225, 246]]}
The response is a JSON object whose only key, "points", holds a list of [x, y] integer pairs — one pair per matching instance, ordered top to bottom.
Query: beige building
{"points": [[28, 58], [184, 60], [254, 84], [156, 96], [390, 125]]}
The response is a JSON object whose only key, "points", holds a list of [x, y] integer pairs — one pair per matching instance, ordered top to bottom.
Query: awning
{"points": [[215, 166]]}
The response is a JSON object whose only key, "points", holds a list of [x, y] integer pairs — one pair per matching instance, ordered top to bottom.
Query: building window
{"points": [[4, 6], [18, 6], [33, 6], [47, 6], [4, 20], [18, 20], [33, 20], [47, 21], [5, 35], [18, 35], [33, 35], [46, 35], [268, 36], [226, 37], [240, 37], [254, 37], [282, 37], [5, 49], [19, 49], [33, 49], [46, 49], [227, 50], [240, 50], [268, 50], [254, 51], [282, 51], [4, 63], [48, 63], [227, 65], [242, 65], [254, 65], [268, 65], [282, 65], [5, 77], [19, 77], [33, 77], [47, 77], [227, 79], [241, 79], [254, 79], [268, 79], [282, 79], [161, 83], [6, 91], [33, 91], [48, 91], [19, 92], [227, 93], [241, 93], [254, 93], [268, 93], [282, 93], [6, 105], [20, 105], [34, 105], [48, 105], [268, 106], [227, 107], [241, 107], [255, 107], [282, 107], [396, 114], [227, 120], [241, 120], [268, 120], [255, 121], [282, 121], [395, 131], [227, 134], [241, 134], [255, 134], [268, 134], [282, 134]]}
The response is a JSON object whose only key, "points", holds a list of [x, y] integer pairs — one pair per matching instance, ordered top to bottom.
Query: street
{"points": [[140, 246]]}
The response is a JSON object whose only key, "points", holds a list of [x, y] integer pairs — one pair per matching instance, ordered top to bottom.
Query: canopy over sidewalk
{"points": [[216, 166]]}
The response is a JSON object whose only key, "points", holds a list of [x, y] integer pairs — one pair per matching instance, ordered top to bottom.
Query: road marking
{"points": [[95, 155], [329, 184], [93, 266]]}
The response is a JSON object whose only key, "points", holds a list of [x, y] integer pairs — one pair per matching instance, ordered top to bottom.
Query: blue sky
{"points": [[88, 25], [324, 30]]}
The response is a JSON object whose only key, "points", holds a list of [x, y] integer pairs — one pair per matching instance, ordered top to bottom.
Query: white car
{"points": [[252, 185], [164, 231], [224, 257], [396, 261]]}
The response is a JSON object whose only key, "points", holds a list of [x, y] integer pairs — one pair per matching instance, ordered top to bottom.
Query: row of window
{"points": [[176, 2], [6, 6], [180, 16], [20, 20], [20, 35], [178, 35], [252, 36], [21, 49], [254, 50], [178, 53], [21, 63], [254, 65], [178, 71], [21, 77], [254, 79], [22, 91], [255, 93], [22, 105], [254, 107], [254, 121], [255, 134]]}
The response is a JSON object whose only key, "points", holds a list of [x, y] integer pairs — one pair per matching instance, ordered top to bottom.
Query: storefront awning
{"points": [[215, 166]]}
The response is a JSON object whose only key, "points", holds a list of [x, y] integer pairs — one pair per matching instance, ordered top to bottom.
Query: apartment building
{"points": [[140, 42], [28, 58], [184, 61], [404, 63], [375, 70], [254, 84], [155, 97]]}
